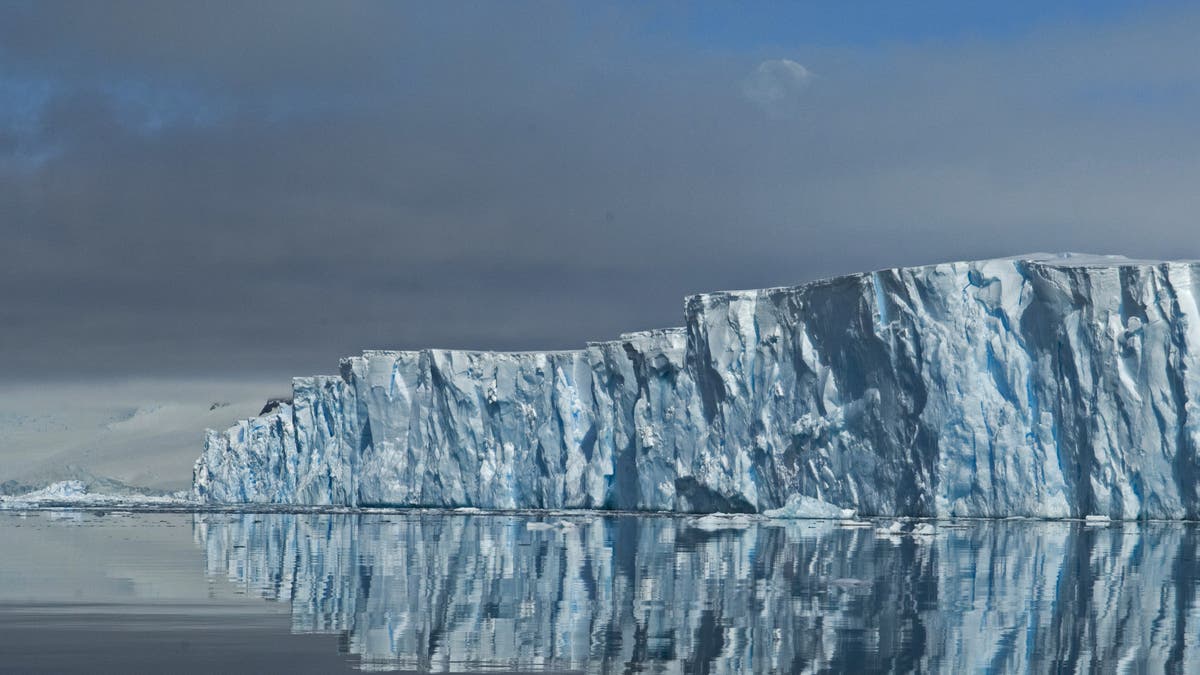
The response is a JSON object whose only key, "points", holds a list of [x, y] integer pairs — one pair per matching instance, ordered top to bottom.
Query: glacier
{"points": [[1052, 386]]}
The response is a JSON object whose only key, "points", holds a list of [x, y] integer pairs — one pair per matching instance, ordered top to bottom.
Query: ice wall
{"points": [[1048, 386]]}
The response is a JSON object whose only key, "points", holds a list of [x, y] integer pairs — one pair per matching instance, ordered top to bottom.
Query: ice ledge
{"points": [[1064, 260]]}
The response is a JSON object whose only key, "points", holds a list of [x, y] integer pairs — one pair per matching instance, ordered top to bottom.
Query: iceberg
{"points": [[1052, 386], [800, 506]]}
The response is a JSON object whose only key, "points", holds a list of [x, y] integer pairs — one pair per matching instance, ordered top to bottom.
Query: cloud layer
{"points": [[211, 188]]}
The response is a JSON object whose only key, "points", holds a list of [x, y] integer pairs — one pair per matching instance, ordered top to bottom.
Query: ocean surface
{"points": [[134, 591]]}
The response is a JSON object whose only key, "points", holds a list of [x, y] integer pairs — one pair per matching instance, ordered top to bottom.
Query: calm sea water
{"points": [[181, 592]]}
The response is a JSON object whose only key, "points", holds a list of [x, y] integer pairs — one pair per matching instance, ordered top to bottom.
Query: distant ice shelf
{"points": [[1040, 385], [76, 493]]}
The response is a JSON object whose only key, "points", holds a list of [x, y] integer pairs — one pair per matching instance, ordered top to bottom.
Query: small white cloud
{"points": [[775, 85]]}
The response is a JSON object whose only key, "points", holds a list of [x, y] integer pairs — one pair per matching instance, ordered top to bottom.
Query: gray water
{"points": [[221, 592]]}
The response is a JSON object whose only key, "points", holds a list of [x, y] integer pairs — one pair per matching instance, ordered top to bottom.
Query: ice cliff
{"points": [[1051, 386]]}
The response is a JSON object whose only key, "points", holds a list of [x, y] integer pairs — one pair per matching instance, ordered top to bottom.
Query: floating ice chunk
{"points": [[801, 506], [720, 521], [851, 523], [893, 528], [923, 530]]}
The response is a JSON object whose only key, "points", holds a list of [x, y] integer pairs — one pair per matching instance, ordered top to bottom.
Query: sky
{"points": [[228, 189]]}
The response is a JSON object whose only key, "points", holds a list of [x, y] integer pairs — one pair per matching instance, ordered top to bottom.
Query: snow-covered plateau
{"points": [[1042, 385]]}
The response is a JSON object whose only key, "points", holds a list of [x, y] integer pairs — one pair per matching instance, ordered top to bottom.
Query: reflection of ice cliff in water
{"points": [[682, 595]]}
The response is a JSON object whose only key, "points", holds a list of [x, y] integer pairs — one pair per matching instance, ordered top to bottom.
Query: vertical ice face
{"points": [[1046, 386], [873, 391], [805, 394], [648, 421], [457, 428], [303, 452]]}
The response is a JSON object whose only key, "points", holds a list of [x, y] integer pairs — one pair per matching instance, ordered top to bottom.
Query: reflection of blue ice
{"points": [[439, 592]]}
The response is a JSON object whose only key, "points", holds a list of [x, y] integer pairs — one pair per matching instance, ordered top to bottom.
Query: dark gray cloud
{"points": [[259, 188]]}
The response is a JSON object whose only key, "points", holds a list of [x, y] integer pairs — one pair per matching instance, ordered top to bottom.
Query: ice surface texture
{"points": [[1049, 386]]}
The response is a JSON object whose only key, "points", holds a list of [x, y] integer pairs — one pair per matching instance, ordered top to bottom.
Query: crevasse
{"points": [[1042, 385]]}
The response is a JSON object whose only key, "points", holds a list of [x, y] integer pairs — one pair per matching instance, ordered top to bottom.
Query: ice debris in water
{"points": [[1050, 386], [800, 506], [719, 521], [893, 528]]}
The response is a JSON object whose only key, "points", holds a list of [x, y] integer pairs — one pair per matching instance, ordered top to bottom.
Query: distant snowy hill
{"points": [[138, 433]]}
